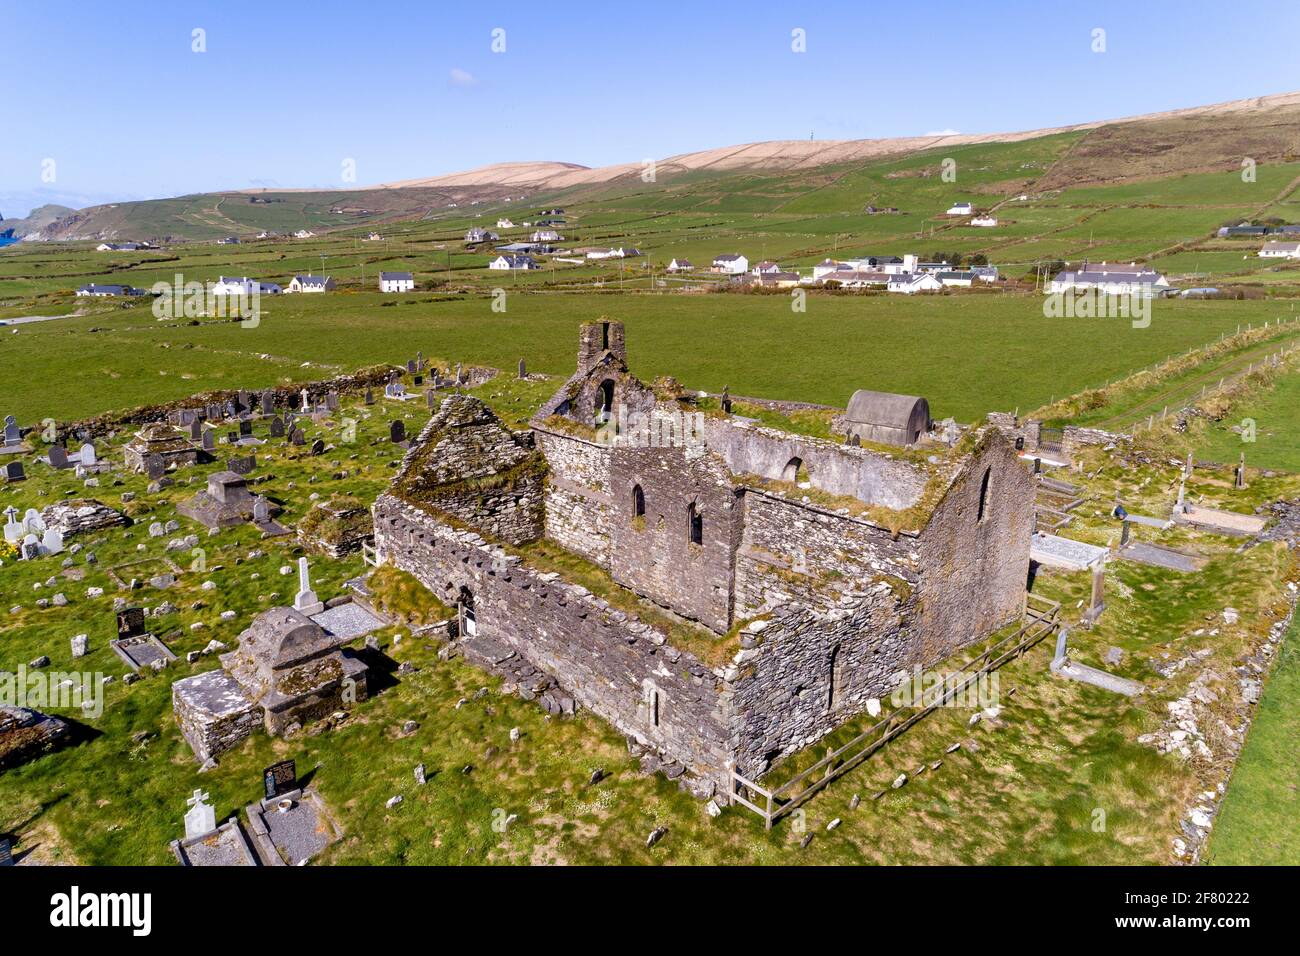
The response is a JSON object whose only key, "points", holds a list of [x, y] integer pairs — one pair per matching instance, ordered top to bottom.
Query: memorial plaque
{"points": [[280, 778], [6, 852]]}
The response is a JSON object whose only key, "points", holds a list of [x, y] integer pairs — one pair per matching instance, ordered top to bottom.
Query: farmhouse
{"points": [[959, 209], [986, 222], [505, 224], [477, 234], [546, 235], [121, 246], [1280, 250], [513, 262], [730, 264], [681, 265], [765, 267], [955, 279], [1111, 280], [396, 282], [311, 283], [909, 283], [243, 286], [101, 291], [816, 610]]}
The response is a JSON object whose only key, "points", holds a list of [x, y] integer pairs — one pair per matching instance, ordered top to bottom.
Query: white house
{"points": [[960, 209], [986, 221], [505, 224], [304, 234], [477, 234], [546, 235], [374, 237], [121, 246], [1280, 250], [513, 262], [731, 264], [681, 265], [766, 267], [956, 279], [1111, 280], [396, 282], [310, 283], [910, 283], [243, 286], [100, 291]]}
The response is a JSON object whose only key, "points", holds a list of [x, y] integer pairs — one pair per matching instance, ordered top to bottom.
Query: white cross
{"points": [[199, 797]]}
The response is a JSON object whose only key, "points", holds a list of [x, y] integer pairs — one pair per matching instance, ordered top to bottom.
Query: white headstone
{"points": [[88, 454], [13, 530], [52, 542], [306, 600], [201, 817]]}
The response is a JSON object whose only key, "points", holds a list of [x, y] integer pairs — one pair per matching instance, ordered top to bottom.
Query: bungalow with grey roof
{"points": [[396, 282]]}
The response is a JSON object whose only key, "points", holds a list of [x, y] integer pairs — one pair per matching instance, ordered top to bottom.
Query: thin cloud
{"points": [[461, 77], [944, 132]]}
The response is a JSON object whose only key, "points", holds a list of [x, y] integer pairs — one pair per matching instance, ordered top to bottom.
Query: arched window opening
{"points": [[604, 401], [795, 471], [984, 493], [638, 502], [695, 524], [835, 693]]}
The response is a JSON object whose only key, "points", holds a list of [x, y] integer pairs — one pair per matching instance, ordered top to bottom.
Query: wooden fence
{"points": [[1041, 619]]}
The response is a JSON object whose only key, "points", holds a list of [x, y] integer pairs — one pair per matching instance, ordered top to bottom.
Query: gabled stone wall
{"points": [[621, 668]]}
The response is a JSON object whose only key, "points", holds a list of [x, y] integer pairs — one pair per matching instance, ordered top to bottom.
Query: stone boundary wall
{"points": [[619, 667]]}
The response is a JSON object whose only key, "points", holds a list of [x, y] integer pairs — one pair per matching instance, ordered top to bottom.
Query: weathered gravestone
{"points": [[370, 396], [268, 403], [277, 427], [245, 428], [397, 432], [298, 438], [209, 439], [318, 447], [58, 456], [242, 465], [155, 467], [14, 471], [130, 622]]}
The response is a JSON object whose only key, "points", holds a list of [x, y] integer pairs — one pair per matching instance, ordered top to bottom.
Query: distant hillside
{"points": [[1199, 139], [38, 219]]}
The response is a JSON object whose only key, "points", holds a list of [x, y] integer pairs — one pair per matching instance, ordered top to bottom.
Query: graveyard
{"points": [[440, 761]]}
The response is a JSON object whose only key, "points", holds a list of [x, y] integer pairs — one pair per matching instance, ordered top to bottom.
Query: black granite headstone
{"points": [[130, 622], [279, 778]]}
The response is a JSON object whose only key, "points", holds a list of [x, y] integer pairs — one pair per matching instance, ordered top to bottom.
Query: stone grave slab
{"points": [[1222, 522], [1053, 551], [1157, 556], [347, 621], [141, 651], [292, 828], [228, 845]]}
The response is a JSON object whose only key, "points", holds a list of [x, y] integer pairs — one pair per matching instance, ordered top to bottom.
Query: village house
{"points": [[960, 209], [986, 222], [505, 224], [304, 234], [478, 234], [546, 235], [374, 237], [228, 241], [121, 246], [1280, 250], [513, 262], [730, 264], [681, 265], [765, 267], [955, 279], [1111, 280], [396, 282], [311, 283], [910, 283], [243, 286], [102, 291], [801, 616]]}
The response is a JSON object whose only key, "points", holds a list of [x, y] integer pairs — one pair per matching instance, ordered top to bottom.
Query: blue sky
{"points": [[287, 91]]}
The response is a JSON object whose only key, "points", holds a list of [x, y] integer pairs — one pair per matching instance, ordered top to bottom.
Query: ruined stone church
{"points": [[808, 575]]}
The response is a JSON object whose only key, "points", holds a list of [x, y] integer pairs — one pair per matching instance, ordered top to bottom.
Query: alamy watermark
{"points": [[230, 298], [1074, 303], [621, 428], [62, 690]]}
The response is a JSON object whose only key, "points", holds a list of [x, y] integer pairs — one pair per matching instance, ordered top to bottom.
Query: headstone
{"points": [[419, 360], [410, 366], [523, 371], [417, 380], [370, 396], [431, 398], [726, 399], [244, 400], [332, 400], [306, 401], [268, 402], [277, 427], [245, 428], [196, 430], [397, 432], [13, 434], [232, 438], [298, 438], [209, 439], [318, 447], [58, 456], [242, 465], [155, 467], [14, 471], [1240, 477], [261, 510], [13, 530], [52, 542], [30, 549], [305, 600], [130, 622], [79, 643], [279, 778], [201, 818], [6, 852]]}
